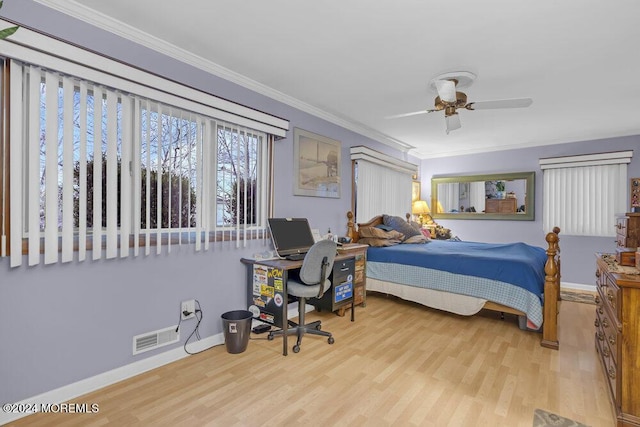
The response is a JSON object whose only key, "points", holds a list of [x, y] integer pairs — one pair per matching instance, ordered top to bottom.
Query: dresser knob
{"points": [[611, 299], [612, 373]]}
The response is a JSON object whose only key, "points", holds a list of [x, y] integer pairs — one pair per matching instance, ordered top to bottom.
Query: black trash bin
{"points": [[237, 329]]}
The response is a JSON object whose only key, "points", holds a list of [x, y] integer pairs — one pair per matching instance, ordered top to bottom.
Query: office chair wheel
{"points": [[270, 336], [330, 340], [296, 348]]}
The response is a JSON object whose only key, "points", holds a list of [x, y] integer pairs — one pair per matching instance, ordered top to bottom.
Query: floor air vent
{"points": [[151, 340]]}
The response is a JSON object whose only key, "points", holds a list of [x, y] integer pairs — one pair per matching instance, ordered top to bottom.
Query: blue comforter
{"points": [[515, 263]]}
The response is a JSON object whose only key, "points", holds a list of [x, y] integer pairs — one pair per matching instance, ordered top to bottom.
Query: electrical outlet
{"points": [[190, 307]]}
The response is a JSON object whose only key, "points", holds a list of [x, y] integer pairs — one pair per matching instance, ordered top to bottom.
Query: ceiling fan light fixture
{"points": [[450, 100], [452, 122]]}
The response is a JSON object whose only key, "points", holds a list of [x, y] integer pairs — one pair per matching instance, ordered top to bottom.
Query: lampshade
{"points": [[420, 207]]}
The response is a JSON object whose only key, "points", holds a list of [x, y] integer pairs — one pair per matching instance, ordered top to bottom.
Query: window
{"points": [[107, 163], [378, 181], [582, 194]]}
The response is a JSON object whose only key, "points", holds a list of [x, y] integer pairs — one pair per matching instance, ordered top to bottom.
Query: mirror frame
{"points": [[528, 215]]}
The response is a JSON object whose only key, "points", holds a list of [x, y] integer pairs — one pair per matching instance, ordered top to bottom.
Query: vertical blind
{"points": [[94, 161], [382, 184], [582, 194]]}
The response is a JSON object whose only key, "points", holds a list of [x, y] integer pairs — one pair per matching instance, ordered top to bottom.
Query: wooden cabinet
{"points": [[508, 205], [628, 230], [360, 277], [617, 337]]}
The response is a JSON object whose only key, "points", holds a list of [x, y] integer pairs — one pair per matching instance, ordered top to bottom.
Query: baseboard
{"points": [[577, 287], [82, 387]]}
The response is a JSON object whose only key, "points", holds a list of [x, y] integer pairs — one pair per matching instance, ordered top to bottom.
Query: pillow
{"points": [[401, 225], [415, 225], [384, 227], [377, 233], [416, 239], [377, 242]]}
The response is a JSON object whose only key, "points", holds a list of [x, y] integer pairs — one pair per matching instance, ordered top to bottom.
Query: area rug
{"points": [[578, 296], [542, 418]]}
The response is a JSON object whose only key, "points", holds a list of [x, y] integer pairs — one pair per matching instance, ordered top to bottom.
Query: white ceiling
{"points": [[354, 62]]}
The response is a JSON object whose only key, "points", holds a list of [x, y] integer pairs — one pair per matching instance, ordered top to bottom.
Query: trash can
{"points": [[237, 328]]}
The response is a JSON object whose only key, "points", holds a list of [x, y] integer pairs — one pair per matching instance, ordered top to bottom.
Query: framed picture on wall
{"points": [[316, 165], [415, 191]]}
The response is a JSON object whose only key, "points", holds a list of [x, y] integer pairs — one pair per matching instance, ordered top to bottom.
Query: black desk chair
{"points": [[313, 282]]}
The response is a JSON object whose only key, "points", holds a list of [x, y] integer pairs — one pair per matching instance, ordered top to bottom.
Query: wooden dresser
{"points": [[508, 205], [628, 230], [360, 279], [618, 335]]}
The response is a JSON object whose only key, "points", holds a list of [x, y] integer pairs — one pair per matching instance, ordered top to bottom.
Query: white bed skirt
{"points": [[454, 303]]}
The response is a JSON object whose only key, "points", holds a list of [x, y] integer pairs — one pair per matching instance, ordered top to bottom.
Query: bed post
{"points": [[351, 232], [551, 292]]}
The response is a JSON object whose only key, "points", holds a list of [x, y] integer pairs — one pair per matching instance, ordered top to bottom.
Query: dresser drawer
{"points": [[621, 226], [358, 294], [607, 334]]}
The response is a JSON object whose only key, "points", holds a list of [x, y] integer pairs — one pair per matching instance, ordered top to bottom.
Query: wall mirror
{"points": [[504, 196]]}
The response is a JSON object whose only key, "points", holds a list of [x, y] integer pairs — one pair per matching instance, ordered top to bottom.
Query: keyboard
{"points": [[295, 257]]}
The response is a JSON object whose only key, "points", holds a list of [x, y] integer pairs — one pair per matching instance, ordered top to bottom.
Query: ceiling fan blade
{"points": [[446, 90], [501, 103], [415, 113], [453, 122]]}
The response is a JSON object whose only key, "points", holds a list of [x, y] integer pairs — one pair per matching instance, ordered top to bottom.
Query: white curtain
{"points": [[381, 190], [477, 195], [449, 196], [583, 201]]}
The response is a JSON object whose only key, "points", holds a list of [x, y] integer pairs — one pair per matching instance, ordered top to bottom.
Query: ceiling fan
{"points": [[450, 100]]}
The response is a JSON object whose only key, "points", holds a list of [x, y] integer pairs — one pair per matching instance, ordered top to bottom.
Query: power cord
{"points": [[196, 331]]}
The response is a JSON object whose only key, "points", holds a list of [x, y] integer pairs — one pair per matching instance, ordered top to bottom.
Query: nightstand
{"points": [[360, 279]]}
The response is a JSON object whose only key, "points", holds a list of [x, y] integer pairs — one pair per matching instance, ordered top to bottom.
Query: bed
{"points": [[466, 277]]}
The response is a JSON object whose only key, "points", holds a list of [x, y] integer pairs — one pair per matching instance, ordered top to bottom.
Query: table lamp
{"points": [[421, 209]]}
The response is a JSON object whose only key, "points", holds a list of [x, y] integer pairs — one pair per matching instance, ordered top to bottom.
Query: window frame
{"points": [[23, 47]]}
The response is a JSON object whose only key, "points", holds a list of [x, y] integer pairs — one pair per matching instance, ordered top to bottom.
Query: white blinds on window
{"points": [[118, 167], [381, 190], [582, 194], [477, 195]]}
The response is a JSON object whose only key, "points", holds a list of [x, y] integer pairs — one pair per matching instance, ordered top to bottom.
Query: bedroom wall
{"points": [[577, 251], [67, 322]]}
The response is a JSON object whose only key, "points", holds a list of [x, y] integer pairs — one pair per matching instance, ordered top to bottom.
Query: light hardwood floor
{"points": [[399, 364]]}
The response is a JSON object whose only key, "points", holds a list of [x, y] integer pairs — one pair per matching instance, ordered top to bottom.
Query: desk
{"points": [[267, 289]]}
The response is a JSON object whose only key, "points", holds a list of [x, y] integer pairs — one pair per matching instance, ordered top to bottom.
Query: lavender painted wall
{"points": [[577, 252], [67, 322], [63, 323]]}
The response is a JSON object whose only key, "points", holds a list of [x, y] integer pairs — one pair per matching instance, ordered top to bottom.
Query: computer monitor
{"points": [[290, 235]]}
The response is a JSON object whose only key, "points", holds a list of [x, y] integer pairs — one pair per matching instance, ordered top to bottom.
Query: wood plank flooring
{"points": [[399, 364]]}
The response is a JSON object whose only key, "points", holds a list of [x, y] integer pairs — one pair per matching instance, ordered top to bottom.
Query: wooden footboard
{"points": [[551, 282]]}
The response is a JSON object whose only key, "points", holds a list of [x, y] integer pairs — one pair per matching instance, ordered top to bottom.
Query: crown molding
{"points": [[81, 12]]}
